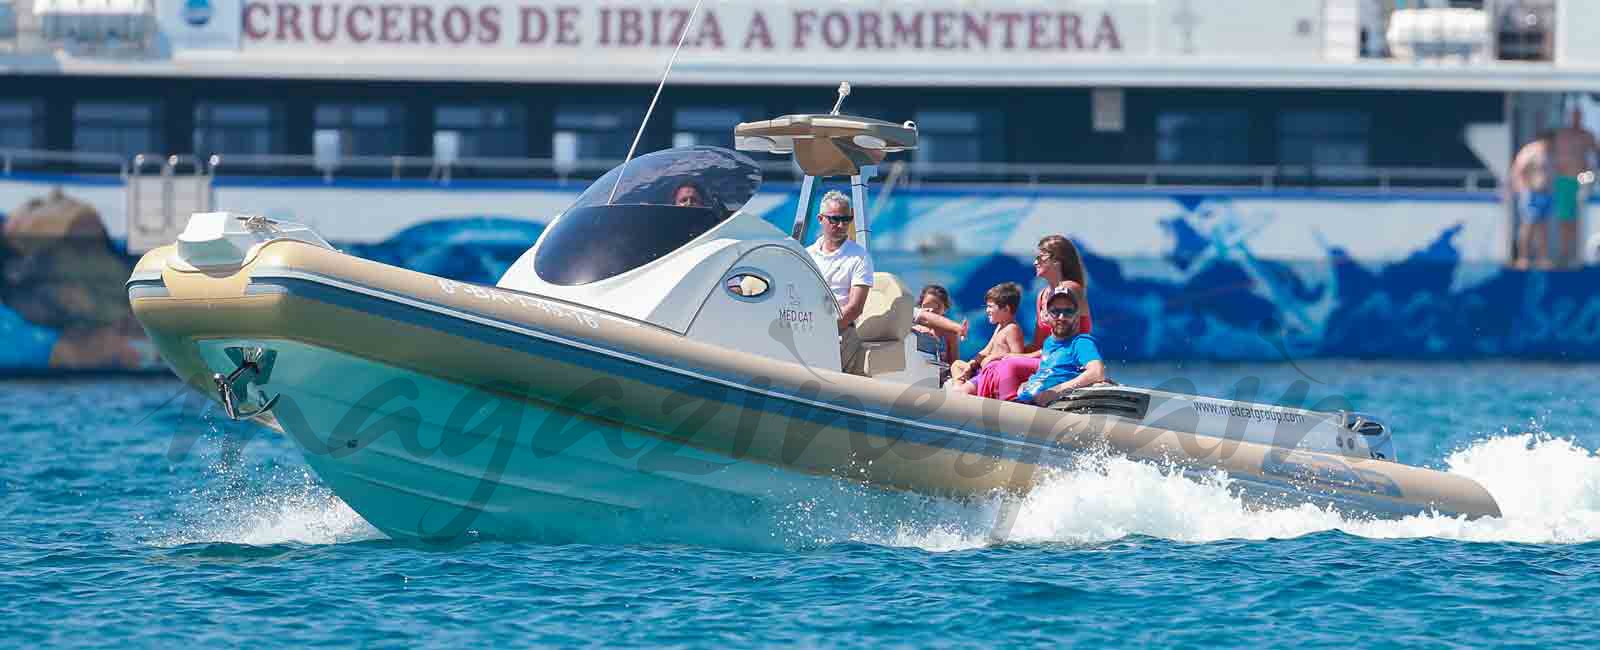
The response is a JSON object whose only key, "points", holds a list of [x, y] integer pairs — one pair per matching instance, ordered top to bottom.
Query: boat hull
{"points": [[434, 408], [420, 457]]}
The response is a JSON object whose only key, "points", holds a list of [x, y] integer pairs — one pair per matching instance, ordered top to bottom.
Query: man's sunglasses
{"points": [[838, 218], [1064, 313]]}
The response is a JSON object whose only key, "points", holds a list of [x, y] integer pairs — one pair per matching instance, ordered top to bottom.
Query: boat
{"points": [[651, 362]]}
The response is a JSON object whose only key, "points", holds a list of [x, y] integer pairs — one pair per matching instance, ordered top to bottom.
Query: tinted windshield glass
{"points": [[693, 176], [665, 199], [591, 244]]}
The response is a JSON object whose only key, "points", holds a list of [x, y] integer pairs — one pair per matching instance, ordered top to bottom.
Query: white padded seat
{"points": [[885, 323]]}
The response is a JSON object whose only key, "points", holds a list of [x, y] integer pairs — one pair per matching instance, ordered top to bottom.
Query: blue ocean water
{"points": [[129, 521]]}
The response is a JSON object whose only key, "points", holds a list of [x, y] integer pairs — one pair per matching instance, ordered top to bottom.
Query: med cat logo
{"points": [[197, 12]]}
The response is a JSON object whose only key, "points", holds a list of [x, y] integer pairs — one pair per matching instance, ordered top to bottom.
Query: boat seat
{"points": [[884, 324]]}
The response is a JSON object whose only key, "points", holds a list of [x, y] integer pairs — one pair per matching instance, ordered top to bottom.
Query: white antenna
{"points": [[681, 38], [844, 91]]}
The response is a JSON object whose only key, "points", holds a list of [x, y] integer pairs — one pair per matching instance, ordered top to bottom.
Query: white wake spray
{"points": [[1548, 490], [301, 511], [314, 516]]}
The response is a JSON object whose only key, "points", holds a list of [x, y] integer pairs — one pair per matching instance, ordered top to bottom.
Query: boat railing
{"points": [[910, 173]]}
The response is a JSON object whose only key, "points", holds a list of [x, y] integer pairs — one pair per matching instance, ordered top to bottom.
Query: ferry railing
{"points": [[90, 162], [414, 167], [913, 173], [1265, 177]]}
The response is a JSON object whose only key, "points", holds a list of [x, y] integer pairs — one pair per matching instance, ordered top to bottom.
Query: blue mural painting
{"points": [[475, 249], [1203, 294], [1209, 296], [1229, 305]]}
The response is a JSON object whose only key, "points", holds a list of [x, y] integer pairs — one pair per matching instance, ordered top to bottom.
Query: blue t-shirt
{"points": [[1062, 360]]}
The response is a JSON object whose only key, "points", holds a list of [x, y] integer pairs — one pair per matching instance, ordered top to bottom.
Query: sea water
{"points": [[130, 521]]}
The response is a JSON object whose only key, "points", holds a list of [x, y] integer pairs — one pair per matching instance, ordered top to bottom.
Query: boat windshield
{"points": [[720, 178], [665, 199]]}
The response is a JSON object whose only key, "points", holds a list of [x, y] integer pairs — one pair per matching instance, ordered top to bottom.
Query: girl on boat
{"points": [[929, 318]]}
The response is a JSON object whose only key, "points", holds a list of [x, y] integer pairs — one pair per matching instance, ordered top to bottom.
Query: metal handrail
{"points": [[9, 159], [916, 173]]}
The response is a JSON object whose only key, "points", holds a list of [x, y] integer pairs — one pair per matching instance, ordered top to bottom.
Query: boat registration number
{"points": [[451, 287]]}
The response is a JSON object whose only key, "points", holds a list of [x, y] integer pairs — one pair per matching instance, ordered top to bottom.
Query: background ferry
{"points": [[1247, 180]]}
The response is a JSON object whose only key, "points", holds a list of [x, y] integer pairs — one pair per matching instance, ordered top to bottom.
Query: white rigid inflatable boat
{"points": [[646, 362]]}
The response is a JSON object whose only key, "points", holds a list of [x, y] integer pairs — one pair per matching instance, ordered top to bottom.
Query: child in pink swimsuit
{"points": [[1000, 304]]}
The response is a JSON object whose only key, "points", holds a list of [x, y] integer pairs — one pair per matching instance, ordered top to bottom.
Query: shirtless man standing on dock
{"points": [[1571, 147], [1530, 193]]}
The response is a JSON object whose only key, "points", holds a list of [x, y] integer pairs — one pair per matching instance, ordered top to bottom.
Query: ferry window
{"points": [[21, 124], [708, 126], [124, 128], [238, 128], [365, 129], [486, 130], [600, 133], [953, 136], [1203, 137], [1324, 137]]}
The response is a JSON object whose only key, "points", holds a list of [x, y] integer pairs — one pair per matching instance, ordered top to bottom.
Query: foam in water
{"points": [[1548, 490], [248, 497], [302, 512], [309, 515]]}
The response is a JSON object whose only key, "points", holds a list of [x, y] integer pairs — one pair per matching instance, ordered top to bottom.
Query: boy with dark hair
{"points": [[1006, 295], [1000, 305]]}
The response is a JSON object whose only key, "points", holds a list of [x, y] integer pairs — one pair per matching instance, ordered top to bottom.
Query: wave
{"points": [[1548, 490]]}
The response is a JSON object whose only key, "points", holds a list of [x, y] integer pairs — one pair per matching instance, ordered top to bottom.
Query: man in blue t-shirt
{"points": [[1071, 360]]}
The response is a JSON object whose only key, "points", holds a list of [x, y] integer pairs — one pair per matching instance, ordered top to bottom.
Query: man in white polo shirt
{"points": [[847, 269]]}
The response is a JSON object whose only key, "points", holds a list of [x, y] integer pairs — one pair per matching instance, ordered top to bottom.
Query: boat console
{"points": [[664, 239]]}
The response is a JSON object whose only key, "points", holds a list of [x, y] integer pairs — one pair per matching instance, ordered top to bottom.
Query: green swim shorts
{"points": [[1565, 190]]}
